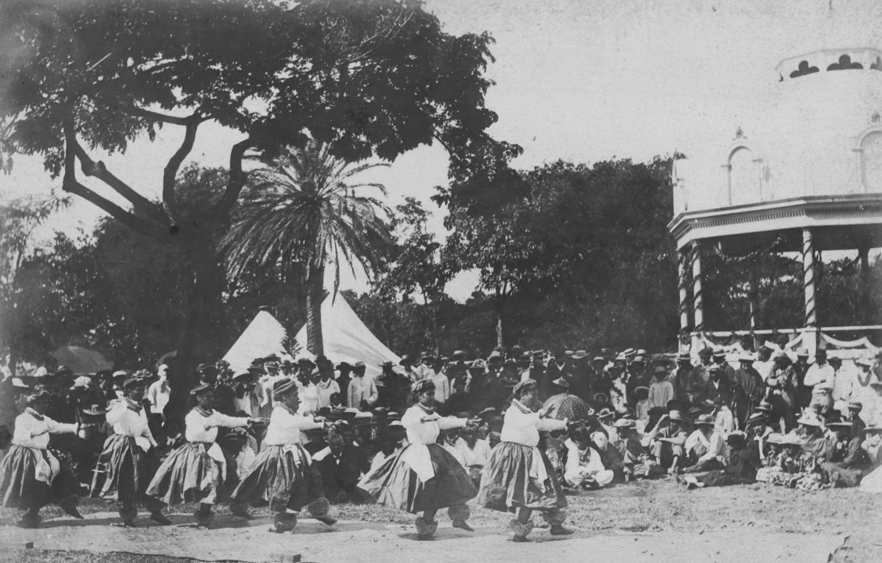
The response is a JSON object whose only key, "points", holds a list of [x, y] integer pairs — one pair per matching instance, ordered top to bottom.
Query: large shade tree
{"points": [[367, 78], [302, 212]]}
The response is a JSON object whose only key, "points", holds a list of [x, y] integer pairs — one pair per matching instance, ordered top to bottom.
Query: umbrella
{"points": [[566, 406]]}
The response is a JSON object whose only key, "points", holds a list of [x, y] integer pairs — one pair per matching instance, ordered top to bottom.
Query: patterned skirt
{"points": [[124, 470], [189, 474], [283, 477], [393, 483], [506, 484], [19, 487]]}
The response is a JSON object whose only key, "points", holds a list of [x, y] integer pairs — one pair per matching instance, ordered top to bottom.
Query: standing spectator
{"points": [[406, 364], [727, 370], [700, 375], [681, 376], [821, 377], [441, 381], [845, 382], [326, 386], [749, 389], [660, 390], [779, 390], [362, 391], [159, 392], [802, 393]]}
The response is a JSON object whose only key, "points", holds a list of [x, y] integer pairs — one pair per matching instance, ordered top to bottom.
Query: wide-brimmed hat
{"points": [[629, 352], [705, 353], [719, 353], [802, 353], [579, 354], [426, 355], [458, 355], [495, 356], [745, 357], [684, 358], [598, 359], [638, 359], [863, 362], [346, 366], [205, 368], [659, 369], [62, 370], [244, 374], [133, 382], [561, 382], [876, 384], [422, 386], [641, 388], [200, 389], [38, 395], [600, 398], [854, 405], [765, 406], [605, 412], [482, 414], [677, 415], [756, 417], [809, 419], [704, 420], [625, 423], [840, 424], [873, 428], [736, 436]]}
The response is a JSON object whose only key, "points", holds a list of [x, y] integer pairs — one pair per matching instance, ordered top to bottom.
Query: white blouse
{"points": [[324, 390], [129, 422], [520, 426], [285, 427], [202, 428], [423, 428], [32, 429], [479, 456]]}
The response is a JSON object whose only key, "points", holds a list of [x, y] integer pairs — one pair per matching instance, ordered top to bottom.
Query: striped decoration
{"points": [[808, 267], [683, 285], [697, 296]]}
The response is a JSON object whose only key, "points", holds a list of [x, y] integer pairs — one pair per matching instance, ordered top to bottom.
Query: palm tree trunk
{"points": [[314, 296]]}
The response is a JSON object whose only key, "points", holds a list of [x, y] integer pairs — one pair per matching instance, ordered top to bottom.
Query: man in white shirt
{"points": [[425, 369], [821, 378], [441, 381], [326, 386], [159, 392], [362, 392], [705, 446], [475, 451]]}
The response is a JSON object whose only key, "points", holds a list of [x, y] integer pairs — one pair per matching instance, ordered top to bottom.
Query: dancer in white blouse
{"points": [[129, 459], [196, 471], [283, 474], [30, 475], [423, 476], [519, 477]]}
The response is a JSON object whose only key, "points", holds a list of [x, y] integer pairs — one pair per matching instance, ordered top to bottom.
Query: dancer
{"points": [[129, 457], [197, 471], [283, 474], [30, 475], [423, 476], [519, 477]]}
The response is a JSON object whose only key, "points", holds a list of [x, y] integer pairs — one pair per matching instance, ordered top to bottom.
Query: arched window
{"points": [[871, 161], [744, 185]]}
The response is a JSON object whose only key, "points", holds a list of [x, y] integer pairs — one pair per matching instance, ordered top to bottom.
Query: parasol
{"points": [[566, 406]]}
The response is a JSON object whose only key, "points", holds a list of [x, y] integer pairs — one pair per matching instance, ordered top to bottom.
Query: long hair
{"points": [[421, 387]]}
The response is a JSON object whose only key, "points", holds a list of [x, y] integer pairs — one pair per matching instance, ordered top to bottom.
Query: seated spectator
{"points": [[667, 439], [872, 443], [705, 448], [476, 453], [610, 457], [847, 461], [637, 463], [341, 465], [584, 467], [740, 467]]}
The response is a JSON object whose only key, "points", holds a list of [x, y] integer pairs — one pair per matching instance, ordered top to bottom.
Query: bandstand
{"points": [[803, 175]]}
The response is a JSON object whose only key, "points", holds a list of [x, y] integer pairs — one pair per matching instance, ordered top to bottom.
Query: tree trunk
{"points": [[315, 289], [500, 343]]}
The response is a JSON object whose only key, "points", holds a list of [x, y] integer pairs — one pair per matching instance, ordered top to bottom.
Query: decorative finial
{"points": [[875, 118], [739, 133]]}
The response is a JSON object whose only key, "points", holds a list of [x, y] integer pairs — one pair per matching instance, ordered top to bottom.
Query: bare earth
{"points": [[650, 521]]}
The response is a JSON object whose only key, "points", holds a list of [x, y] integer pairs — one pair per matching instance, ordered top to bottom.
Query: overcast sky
{"points": [[575, 80]]}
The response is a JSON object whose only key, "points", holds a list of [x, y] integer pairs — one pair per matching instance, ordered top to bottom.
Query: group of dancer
{"points": [[422, 477]]}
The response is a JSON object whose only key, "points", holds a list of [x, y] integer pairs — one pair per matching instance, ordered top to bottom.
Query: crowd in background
{"points": [[709, 420]]}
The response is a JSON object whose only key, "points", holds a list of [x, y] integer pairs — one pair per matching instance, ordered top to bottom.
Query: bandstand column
{"points": [[808, 282], [683, 285], [697, 295], [753, 300]]}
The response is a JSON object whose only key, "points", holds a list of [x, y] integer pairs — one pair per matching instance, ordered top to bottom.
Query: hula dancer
{"points": [[129, 457], [197, 471], [283, 474], [30, 475], [423, 476], [519, 477]]}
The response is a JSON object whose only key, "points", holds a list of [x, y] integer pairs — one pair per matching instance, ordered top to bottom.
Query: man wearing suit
{"points": [[341, 466]]}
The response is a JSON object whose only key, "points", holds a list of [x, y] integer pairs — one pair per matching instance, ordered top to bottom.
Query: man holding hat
{"points": [[821, 377]]}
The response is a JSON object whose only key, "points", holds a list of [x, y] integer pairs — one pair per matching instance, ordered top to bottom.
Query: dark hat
{"points": [[705, 352], [821, 352], [720, 354], [427, 355], [458, 355], [495, 356], [684, 358], [405, 361], [386, 364], [347, 366], [207, 368], [660, 369], [62, 370], [244, 374], [283, 385], [422, 386], [641, 388], [200, 389], [39, 395], [601, 398], [854, 405], [95, 410], [380, 412], [486, 412], [605, 413], [756, 417], [841, 424], [736, 436]]}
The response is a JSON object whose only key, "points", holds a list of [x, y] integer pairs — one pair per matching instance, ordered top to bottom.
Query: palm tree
{"points": [[299, 213]]}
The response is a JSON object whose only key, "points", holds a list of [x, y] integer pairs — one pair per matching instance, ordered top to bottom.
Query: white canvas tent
{"points": [[263, 337], [347, 339]]}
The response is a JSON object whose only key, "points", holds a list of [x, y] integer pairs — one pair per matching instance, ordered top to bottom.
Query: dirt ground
{"points": [[647, 521]]}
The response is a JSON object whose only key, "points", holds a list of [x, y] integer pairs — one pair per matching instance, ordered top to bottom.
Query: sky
{"points": [[576, 80]]}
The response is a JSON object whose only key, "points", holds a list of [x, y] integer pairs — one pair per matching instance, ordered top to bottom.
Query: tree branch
{"points": [[156, 116], [174, 164], [98, 170], [236, 181], [71, 185]]}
